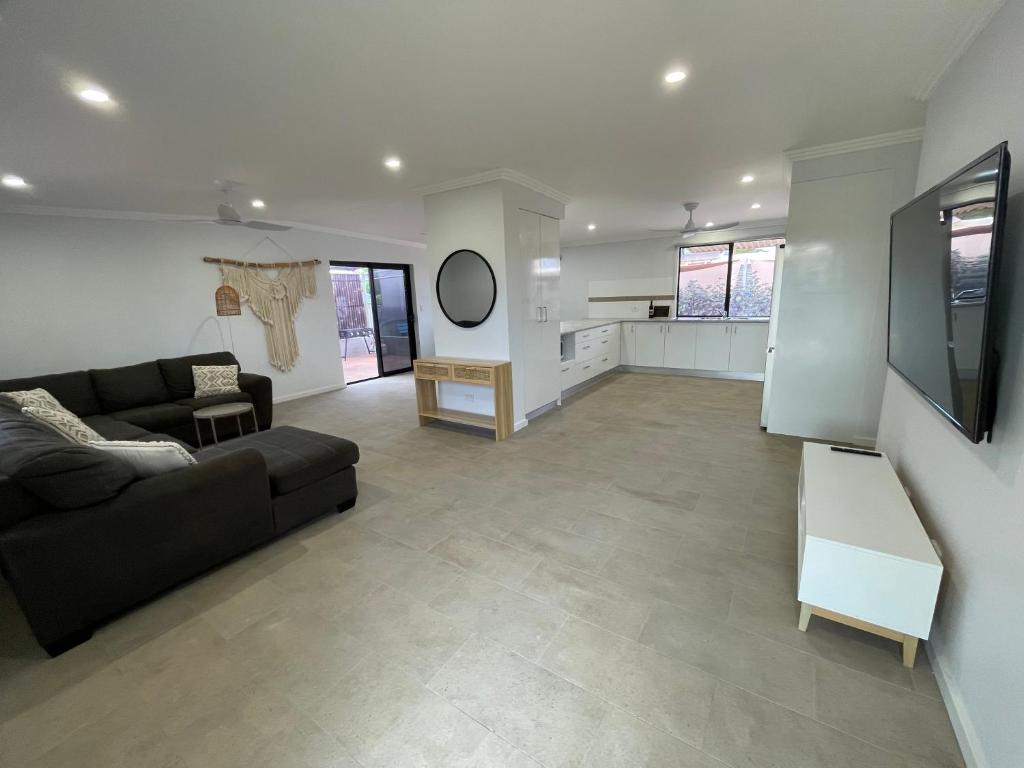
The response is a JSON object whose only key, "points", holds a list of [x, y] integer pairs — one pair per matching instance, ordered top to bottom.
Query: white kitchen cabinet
{"points": [[538, 243], [713, 341], [627, 342], [650, 344], [680, 345], [748, 348]]}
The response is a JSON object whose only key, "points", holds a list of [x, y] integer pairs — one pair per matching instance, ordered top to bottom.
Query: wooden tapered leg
{"points": [[805, 616], [909, 651]]}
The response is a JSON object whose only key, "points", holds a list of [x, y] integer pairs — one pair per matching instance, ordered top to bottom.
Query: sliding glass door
{"points": [[376, 323]]}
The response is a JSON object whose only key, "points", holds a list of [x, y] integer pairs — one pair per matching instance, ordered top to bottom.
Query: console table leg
{"points": [[805, 616], [909, 651]]}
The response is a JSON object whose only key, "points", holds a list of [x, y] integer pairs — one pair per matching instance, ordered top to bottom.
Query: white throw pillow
{"points": [[215, 379], [65, 423], [148, 459]]}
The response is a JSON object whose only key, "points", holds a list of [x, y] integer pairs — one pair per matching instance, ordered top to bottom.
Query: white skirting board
{"points": [[699, 373], [307, 393], [959, 717]]}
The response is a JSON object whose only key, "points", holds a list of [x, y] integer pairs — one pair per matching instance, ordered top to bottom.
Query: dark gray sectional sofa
{"points": [[82, 539]]}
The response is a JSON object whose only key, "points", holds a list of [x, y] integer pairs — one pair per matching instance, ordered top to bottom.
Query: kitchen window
{"points": [[727, 279]]}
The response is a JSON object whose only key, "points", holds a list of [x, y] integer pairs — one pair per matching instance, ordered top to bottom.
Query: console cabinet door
{"points": [[713, 341], [650, 344], [680, 345], [628, 348], [749, 348]]}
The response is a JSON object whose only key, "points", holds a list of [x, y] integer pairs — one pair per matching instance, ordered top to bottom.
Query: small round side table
{"points": [[213, 412]]}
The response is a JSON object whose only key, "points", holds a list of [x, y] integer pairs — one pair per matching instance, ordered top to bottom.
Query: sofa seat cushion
{"points": [[177, 371], [131, 386], [73, 390], [195, 403], [156, 417], [115, 429], [295, 457]]}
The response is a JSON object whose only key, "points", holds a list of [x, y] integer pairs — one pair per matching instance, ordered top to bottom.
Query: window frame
{"points": [[728, 277]]}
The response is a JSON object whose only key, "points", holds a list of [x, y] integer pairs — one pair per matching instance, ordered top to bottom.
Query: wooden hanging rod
{"points": [[263, 264]]}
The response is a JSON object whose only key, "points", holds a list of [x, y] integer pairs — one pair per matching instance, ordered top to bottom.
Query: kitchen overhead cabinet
{"points": [[540, 254], [650, 344], [680, 345], [748, 348]]}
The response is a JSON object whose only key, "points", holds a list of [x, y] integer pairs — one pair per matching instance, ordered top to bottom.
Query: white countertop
{"points": [[572, 326]]}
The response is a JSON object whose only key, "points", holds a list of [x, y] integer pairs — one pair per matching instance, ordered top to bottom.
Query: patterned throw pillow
{"points": [[215, 379], [37, 398], [66, 423], [148, 459]]}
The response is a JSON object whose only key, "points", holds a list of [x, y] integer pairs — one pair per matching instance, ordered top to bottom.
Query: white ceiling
{"points": [[303, 99]]}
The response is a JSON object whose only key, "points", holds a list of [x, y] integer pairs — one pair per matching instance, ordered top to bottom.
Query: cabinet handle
{"points": [[604, 341]]}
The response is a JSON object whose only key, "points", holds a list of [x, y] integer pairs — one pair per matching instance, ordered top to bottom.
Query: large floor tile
{"points": [[649, 542], [571, 549], [486, 557], [661, 580], [593, 598], [522, 623], [405, 630], [773, 670], [667, 693], [543, 714], [887, 715], [386, 718], [749, 731], [626, 742]]}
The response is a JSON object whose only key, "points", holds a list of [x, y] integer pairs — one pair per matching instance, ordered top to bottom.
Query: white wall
{"points": [[649, 258], [95, 292], [829, 367], [971, 497]]}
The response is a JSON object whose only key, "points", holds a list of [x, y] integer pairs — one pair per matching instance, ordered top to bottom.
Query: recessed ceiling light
{"points": [[675, 76], [94, 95], [393, 163], [747, 179], [12, 181], [257, 203], [755, 206], [709, 225], [591, 227]]}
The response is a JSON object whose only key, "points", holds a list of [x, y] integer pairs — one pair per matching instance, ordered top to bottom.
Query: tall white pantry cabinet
{"points": [[541, 260]]}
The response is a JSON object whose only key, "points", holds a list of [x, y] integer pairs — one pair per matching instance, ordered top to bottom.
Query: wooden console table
{"points": [[496, 374], [864, 558]]}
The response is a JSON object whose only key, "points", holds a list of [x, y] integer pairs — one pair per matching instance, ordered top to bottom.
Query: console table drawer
{"points": [[434, 371], [471, 374]]}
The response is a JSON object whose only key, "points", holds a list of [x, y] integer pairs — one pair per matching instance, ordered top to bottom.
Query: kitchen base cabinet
{"points": [[713, 341], [650, 344], [680, 345], [748, 349]]}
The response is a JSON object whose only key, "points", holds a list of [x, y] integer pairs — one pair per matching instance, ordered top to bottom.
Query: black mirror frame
{"points": [[494, 289]]}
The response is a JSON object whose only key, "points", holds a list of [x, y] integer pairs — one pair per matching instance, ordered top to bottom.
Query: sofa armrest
{"points": [[261, 389], [70, 570]]}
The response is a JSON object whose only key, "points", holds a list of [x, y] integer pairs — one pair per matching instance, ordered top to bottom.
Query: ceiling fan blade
{"points": [[227, 212], [226, 222], [266, 225], [730, 225], [675, 230]]}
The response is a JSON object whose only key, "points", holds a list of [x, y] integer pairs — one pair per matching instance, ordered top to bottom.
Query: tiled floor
{"points": [[612, 587]]}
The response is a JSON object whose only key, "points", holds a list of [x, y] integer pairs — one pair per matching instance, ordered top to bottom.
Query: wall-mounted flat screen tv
{"points": [[943, 270]]}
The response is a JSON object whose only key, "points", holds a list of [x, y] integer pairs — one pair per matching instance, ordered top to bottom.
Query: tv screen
{"points": [[943, 259]]}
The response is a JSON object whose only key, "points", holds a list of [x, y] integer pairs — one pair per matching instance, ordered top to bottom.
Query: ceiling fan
{"points": [[228, 216], [690, 228]]}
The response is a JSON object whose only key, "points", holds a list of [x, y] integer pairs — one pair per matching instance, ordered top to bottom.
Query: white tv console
{"points": [[864, 558]]}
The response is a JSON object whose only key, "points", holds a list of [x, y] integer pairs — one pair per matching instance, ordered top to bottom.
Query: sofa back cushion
{"points": [[177, 371], [131, 386], [73, 390], [60, 473]]}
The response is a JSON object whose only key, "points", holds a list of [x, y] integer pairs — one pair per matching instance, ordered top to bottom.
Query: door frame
{"points": [[410, 301]]}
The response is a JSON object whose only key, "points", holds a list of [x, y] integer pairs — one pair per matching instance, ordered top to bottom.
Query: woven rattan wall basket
{"points": [[228, 303]]}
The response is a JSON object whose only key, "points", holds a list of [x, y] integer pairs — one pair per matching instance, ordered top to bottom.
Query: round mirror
{"points": [[466, 289]]}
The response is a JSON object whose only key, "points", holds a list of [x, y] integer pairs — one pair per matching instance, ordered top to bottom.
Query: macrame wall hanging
{"points": [[274, 300]]}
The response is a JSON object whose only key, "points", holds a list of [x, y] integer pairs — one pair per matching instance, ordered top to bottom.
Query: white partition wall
{"points": [[829, 359]]}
